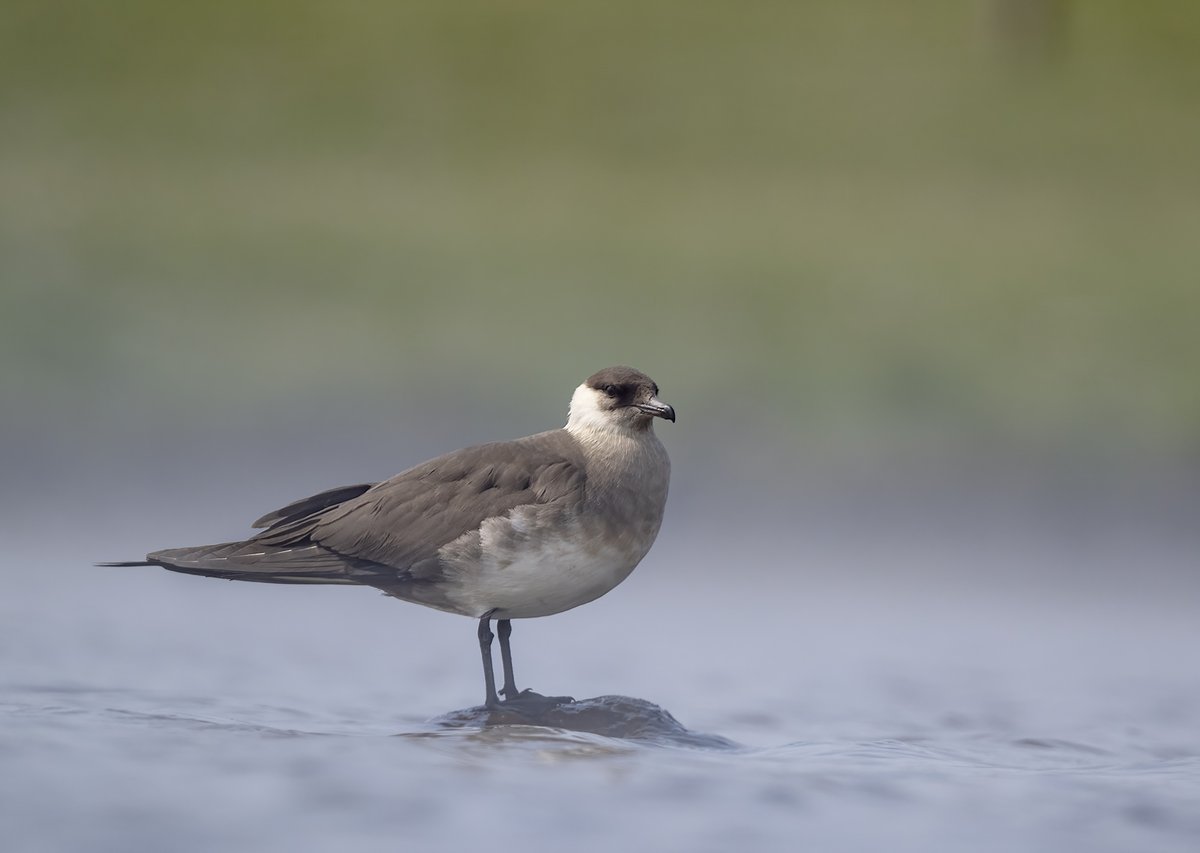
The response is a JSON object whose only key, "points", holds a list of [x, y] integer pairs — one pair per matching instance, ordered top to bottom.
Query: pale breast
{"points": [[523, 573]]}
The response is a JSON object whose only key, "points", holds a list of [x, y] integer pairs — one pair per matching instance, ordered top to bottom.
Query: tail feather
{"points": [[260, 563]]}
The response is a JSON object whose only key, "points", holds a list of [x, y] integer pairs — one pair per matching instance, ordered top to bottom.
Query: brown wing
{"points": [[408, 518]]}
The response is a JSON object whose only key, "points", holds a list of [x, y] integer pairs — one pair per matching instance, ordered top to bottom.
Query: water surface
{"points": [[821, 705]]}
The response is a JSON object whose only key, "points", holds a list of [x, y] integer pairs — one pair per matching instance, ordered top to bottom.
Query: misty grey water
{"points": [[862, 691]]}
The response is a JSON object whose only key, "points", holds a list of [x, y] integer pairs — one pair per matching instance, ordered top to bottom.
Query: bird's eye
{"points": [[610, 390]]}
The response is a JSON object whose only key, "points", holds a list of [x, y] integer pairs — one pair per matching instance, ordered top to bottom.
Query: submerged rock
{"points": [[622, 717]]}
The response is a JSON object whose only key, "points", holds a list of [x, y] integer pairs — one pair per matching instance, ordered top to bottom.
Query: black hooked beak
{"points": [[657, 408]]}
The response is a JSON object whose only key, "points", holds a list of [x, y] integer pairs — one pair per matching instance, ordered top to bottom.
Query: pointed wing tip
{"points": [[297, 510]]}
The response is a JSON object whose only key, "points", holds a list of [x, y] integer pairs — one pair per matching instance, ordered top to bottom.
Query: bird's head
{"points": [[617, 399]]}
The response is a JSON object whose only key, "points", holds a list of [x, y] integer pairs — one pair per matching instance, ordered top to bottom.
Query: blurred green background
{"points": [[931, 231]]}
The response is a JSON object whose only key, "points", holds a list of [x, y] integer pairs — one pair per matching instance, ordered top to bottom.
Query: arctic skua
{"points": [[508, 530]]}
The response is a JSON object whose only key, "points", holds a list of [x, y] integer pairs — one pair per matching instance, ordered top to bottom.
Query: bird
{"points": [[507, 530]]}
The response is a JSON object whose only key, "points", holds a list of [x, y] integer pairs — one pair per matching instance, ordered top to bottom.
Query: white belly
{"points": [[519, 581]]}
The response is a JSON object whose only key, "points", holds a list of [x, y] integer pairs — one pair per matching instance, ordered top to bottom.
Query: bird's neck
{"points": [[607, 443], [625, 467]]}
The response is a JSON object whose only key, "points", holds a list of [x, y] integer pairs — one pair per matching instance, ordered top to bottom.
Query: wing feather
{"points": [[307, 506], [407, 519]]}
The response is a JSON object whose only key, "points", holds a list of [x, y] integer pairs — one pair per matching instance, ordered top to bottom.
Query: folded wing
{"points": [[391, 532]]}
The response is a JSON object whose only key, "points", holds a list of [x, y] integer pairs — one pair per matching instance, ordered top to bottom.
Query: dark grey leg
{"points": [[504, 630], [490, 699]]}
